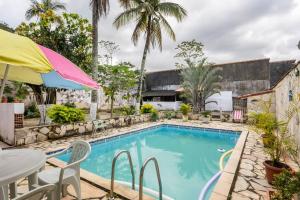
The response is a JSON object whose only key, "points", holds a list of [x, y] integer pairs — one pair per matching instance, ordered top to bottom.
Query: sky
{"points": [[231, 30]]}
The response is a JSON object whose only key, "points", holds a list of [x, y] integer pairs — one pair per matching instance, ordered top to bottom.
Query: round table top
{"points": [[19, 163]]}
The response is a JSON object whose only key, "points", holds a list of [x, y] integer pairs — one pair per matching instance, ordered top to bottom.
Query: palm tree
{"points": [[38, 8], [99, 8], [149, 16], [200, 80]]}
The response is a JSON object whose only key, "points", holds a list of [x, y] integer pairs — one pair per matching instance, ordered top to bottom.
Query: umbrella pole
{"points": [[4, 82]]}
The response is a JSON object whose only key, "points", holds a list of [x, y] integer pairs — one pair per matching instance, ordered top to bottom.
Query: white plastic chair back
{"points": [[80, 150], [37, 194]]}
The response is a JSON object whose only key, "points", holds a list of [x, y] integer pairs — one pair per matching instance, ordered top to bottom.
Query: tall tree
{"points": [[37, 8], [99, 8], [150, 18], [200, 78], [116, 79]]}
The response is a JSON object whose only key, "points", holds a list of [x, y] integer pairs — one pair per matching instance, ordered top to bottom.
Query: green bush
{"points": [[70, 105], [147, 108], [185, 108], [128, 110], [32, 111], [206, 113], [62, 114], [154, 115], [169, 115], [286, 185]]}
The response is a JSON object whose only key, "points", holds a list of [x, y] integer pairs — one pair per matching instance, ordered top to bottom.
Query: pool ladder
{"points": [[141, 178]]}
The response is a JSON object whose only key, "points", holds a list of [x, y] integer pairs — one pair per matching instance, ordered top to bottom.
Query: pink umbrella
{"points": [[65, 74]]}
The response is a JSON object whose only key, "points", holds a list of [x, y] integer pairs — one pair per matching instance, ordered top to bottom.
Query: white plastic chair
{"points": [[68, 175], [37, 194]]}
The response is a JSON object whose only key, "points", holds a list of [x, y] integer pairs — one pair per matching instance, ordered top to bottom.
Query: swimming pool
{"points": [[188, 157]]}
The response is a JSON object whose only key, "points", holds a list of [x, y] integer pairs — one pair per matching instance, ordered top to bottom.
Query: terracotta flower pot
{"points": [[272, 170]]}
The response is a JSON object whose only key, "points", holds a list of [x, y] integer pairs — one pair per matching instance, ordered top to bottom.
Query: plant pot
{"points": [[185, 118], [272, 170]]}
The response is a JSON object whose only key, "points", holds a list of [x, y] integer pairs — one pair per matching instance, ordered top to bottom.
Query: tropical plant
{"points": [[37, 8], [99, 8], [150, 18], [109, 49], [115, 80], [199, 80], [147, 108], [185, 108], [128, 110], [32, 111], [206, 113], [62, 114], [169, 114], [154, 115], [287, 184]]}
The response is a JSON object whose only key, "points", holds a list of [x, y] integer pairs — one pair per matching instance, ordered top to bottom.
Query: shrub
{"points": [[70, 105], [147, 108], [185, 108], [128, 110], [32, 111], [206, 113], [62, 114], [154, 115], [169, 115], [286, 185]]}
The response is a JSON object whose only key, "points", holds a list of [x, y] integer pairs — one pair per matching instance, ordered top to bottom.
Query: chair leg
{"points": [[76, 184], [4, 192]]}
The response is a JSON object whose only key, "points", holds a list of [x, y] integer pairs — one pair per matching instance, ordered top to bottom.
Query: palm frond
{"points": [[100, 7], [172, 10], [126, 16]]}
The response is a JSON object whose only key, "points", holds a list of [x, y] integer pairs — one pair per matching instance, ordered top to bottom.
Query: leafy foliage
{"points": [[38, 8], [5, 26], [69, 35], [190, 51], [115, 80], [200, 80], [147, 108], [185, 108], [128, 110], [32, 111], [62, 114], [154, 115], [169, 115], [263, 122], [286, 184]]}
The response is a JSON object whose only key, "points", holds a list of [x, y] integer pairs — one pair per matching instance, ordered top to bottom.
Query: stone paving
{"points": [[251, 182]]}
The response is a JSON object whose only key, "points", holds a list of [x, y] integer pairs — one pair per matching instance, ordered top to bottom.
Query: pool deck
{"points": [[242, 178]]}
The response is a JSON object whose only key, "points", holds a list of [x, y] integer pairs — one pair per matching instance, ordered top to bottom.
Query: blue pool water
{"points": [[187, 158]]}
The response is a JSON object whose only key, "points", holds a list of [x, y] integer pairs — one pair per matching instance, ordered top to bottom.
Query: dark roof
{"points": [[278, 70], [170, 77], [159, 93]]}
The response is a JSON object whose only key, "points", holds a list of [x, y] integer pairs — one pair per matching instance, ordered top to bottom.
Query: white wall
{"points": [[223, 99], [164, 105]]}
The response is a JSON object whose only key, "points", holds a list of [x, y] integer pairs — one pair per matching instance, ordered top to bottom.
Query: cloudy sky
{"points": [[231, 30]]}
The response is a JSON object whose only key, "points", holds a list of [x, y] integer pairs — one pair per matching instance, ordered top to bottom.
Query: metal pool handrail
{"points": [[217, 175], [142, 177], [111, 194]]}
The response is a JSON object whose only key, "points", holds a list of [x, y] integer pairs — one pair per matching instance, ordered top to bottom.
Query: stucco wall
{"points": [[290, 82], [259, 102]]}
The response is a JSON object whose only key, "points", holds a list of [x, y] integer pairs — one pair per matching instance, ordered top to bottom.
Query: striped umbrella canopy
{"points": [[23, 60]]}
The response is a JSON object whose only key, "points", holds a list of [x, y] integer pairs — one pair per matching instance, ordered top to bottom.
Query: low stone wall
{"points": [[34, 134]]}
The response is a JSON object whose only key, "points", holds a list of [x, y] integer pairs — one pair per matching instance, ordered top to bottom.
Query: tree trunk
{"points": [[146, 48], [37, 93], [94, 96], [111, 106]]}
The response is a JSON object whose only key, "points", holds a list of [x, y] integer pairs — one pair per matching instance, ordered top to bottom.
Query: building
{"points": [[162, 88]]}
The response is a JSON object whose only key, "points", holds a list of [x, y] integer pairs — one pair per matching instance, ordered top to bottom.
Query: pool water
{"points": [[187, 158]]}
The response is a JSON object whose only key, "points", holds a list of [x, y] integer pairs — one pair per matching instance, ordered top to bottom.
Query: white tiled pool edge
{"points": [[225, 184]]}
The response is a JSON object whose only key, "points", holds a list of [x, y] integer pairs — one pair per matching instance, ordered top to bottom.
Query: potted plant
{"points": [[185, 109], [281, 142]]}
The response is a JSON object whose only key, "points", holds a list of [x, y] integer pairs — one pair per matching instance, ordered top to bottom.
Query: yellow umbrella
{"points": [[21, 60]]}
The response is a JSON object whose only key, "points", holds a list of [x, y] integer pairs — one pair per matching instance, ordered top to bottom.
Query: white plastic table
{"points": [[16, 164]]}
